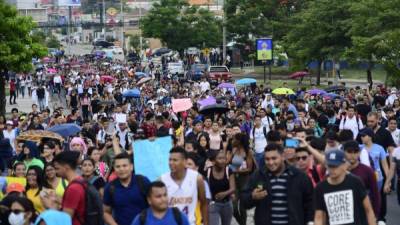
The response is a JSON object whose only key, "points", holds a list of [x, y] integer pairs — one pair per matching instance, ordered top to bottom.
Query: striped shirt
{"points": [[279, 201]]}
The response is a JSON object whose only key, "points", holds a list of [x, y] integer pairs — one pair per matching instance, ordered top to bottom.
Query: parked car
{"points": [[102, 43], [116, 50], [133, 57], [176, 68], [197, 71], [214, 73]]}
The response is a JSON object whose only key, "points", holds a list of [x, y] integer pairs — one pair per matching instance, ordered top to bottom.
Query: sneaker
{"points": [[381, 222]]}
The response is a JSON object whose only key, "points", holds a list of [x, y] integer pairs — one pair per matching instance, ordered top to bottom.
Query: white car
{"points": [[116, 50], [176, 68]]}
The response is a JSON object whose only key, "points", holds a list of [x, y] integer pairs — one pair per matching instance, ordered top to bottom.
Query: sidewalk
{"points": [[23, 104]]}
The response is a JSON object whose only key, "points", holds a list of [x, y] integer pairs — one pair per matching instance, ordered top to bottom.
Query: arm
{"points": [[115, 143], [317, 155], [389, 178], [231, 190], [202, 199], [369, 211], [108, 215], [320, 218]]}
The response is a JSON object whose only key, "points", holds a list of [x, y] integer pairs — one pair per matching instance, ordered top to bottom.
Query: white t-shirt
{"points": [[57, 80], [204, 86], [267, 122], [351, 124], [396, 136], [11, 137], [260, 142]]}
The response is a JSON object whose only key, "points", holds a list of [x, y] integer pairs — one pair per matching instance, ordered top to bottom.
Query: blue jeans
{"points": [[259, 159], [220, 213]]}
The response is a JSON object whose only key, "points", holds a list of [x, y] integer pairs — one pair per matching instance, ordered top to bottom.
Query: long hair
{"points": [[40, 180]]}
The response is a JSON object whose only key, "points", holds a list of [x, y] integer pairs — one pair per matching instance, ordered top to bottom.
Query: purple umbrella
{"points": [[226, 85], [316, 92], [207, 101]]}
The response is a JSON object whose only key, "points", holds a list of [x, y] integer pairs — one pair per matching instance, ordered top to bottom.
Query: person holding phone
{"points": [[270, 188]]}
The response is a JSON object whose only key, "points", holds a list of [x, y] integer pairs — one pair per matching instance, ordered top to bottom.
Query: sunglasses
{"points": [[303, 158], [17, 211]]}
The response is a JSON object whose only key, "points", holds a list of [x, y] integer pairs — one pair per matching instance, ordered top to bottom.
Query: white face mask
{"points": [[16, 219]]}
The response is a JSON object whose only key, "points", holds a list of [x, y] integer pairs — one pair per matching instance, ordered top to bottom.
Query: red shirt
{"points": [[12, 86], [149, 129], [74, 198]]}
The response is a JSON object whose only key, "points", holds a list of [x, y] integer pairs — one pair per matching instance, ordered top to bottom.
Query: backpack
{"points": [[40, 93], [357, 119], [264, 131], [209, 173], [139, 181], [93, 205], [175, 211]]}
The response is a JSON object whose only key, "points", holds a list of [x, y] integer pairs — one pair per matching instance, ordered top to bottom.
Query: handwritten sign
{"points": [[180, 105], [151, 157]]}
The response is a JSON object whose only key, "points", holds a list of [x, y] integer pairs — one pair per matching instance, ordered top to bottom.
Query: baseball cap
{"points": [[9, 122], [367, 131], [334, 158], [15, 187]]}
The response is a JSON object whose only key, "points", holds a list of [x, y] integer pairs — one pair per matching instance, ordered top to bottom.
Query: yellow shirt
{"points": [[60, 189], [37, 203]]}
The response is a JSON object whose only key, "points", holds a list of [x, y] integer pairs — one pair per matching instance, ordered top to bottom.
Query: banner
{"points": [[69, 2], [264, 49], [151, 157]]}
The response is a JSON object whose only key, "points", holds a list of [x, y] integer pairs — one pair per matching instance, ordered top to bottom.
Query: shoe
{"points": [[381, 222]]}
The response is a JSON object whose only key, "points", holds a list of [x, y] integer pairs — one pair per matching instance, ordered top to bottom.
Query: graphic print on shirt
{"points": [[340, 207]]}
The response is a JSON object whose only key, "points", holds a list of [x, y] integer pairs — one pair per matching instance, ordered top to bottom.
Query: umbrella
{"points": [[51, 70], [140, 74], [299, 74], [107, 78], [143, 80], [246, 81], [226, 85], [335, 88], [283, 91], [316, 92], [134, 93], [331, 95], [207, 101], [180, 105], [214, 108], [66, 130], [37, 135]]}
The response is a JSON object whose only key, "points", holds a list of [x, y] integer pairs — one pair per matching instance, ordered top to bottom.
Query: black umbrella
{"points": [[335, 89], [214, 108]]}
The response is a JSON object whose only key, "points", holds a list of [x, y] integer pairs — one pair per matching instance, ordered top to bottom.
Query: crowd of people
{"points": [[301, 159]]}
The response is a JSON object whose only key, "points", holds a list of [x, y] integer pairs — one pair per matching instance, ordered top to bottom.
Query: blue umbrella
{"points": [[140, 74], [246, 81], [134, 93], [66, 129]]}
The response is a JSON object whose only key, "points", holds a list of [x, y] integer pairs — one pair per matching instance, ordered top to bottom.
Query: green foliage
{"points": [[180, 26], [53, 42], [134, 42], [17, 46]]}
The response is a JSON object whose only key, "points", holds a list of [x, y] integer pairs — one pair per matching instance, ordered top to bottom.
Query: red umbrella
{"points": [[299, 74], [106, 78]]}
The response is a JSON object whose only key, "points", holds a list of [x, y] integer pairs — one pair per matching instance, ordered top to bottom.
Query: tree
{"points": [[180, 26], [319, 31], [374, 31], [53, 42], [17, 46]]}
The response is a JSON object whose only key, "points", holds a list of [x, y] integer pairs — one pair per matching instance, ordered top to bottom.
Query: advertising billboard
{"points": [[69, 2], [264, 49]]}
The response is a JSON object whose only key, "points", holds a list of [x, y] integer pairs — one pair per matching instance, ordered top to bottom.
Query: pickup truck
{"points": [[214, 73]]}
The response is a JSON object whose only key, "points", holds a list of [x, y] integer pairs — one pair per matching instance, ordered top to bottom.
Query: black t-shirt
{"points": [[363, 110], [384, 138], [342, 203]]}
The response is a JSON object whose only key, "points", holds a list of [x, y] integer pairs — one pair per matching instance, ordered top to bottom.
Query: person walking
{"points": [[13, 92], [41, 97], [222, 185], [185, 187], [281, 193], [125, 197], [341, 198], [159, 213]]}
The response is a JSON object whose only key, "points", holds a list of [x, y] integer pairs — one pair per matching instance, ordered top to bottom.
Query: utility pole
{"points": [[123, 26], [69, 29], [140, 30], [103, 31], [223, 32]]}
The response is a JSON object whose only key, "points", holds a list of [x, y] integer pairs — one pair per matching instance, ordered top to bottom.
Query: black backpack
{"points": [[93, 205], [175, 211]]}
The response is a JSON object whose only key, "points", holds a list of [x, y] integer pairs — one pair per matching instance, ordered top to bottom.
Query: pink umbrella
{"points": [[51, 70], [299, 74], [106, 78], [180, 105]]}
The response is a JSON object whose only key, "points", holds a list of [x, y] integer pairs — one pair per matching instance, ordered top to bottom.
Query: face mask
{"points": [[16, 219]]}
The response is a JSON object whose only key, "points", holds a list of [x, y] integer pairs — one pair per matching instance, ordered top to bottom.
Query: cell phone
{"points": [[292, 143]]}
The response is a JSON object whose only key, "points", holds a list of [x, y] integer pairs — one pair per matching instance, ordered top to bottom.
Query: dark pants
{"points": [[13, 94], [85, 112], [239, 211]]}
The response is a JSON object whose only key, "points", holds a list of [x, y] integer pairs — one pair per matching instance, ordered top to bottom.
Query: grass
{"points": [[356, 74]]}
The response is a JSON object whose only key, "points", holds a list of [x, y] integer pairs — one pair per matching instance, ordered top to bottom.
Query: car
{"points": [[102, 43], [116, 50], [161, 51], [133, 57], [176, 68], [197, 71], [215, 73]]}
